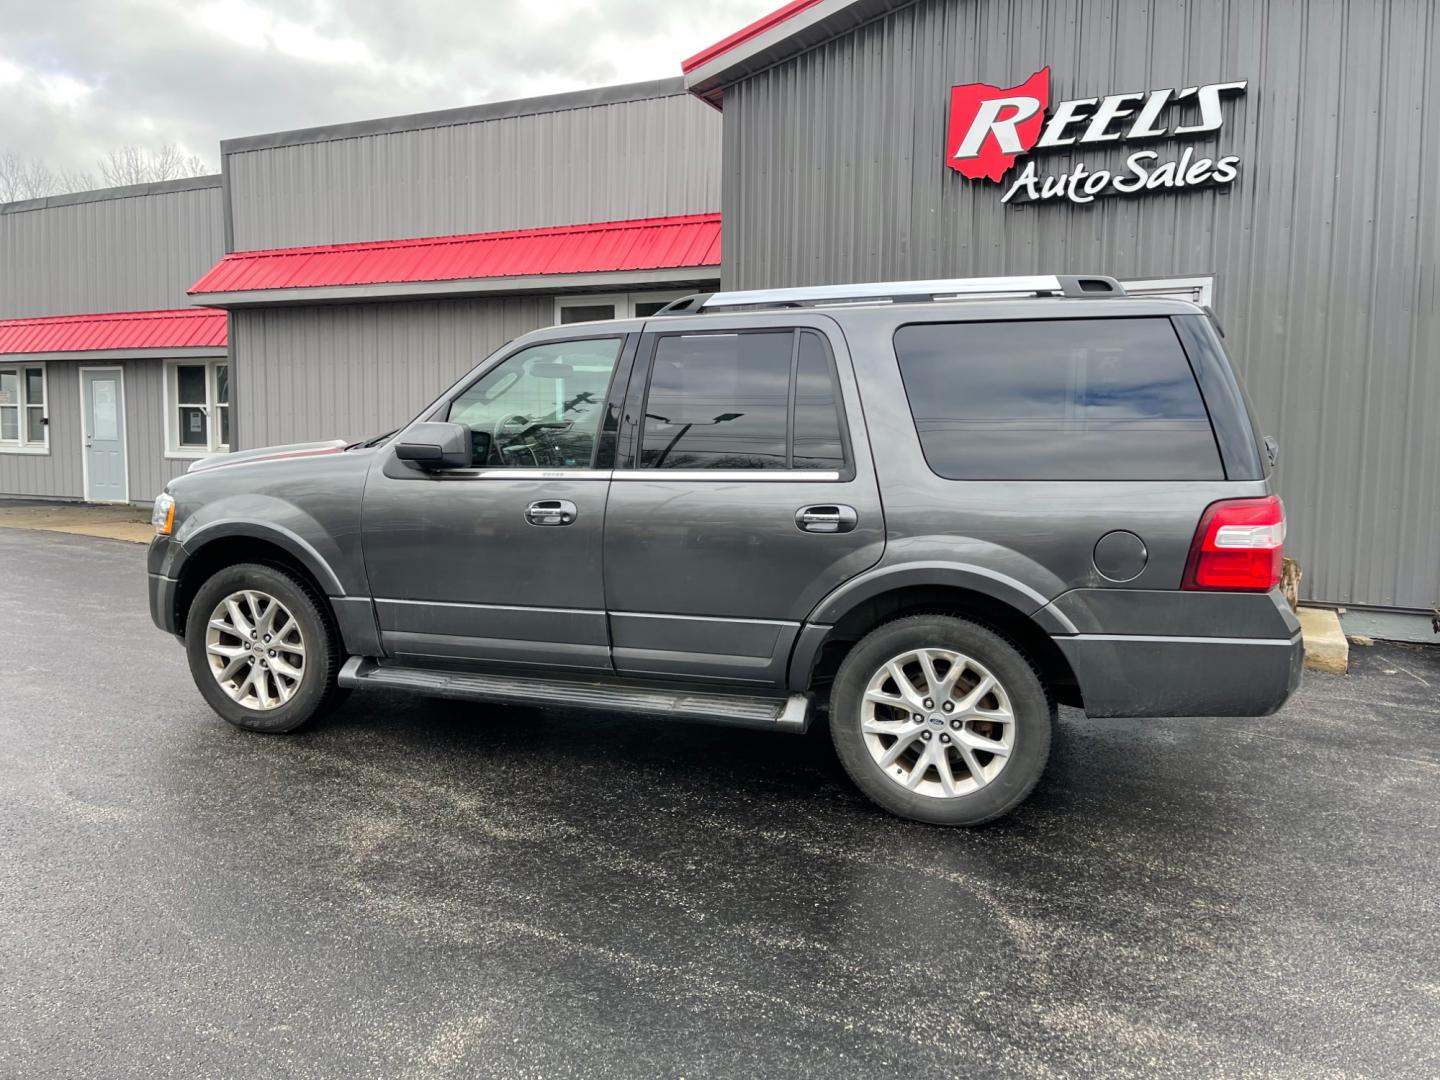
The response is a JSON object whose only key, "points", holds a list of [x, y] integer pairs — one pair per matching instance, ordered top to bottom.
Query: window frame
{"points": [[623, 303], [619, 376], [638, 404], [21, 444], [174, 449]]}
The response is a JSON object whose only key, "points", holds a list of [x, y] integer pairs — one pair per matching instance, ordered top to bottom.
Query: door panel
{"points": [[102, 399], [731, 554], [501, 562], [458, 571], [709, 572]]}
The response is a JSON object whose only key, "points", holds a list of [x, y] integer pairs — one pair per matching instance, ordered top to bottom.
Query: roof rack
{"points": [[898, 292]]}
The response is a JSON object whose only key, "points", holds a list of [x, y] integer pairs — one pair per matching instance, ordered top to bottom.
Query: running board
{"points": [[771, 713]]}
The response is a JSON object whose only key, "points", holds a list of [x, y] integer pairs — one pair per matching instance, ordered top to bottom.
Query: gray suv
{"points": [[933, 510]]}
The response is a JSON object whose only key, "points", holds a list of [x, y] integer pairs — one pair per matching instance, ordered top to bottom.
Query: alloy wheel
{"points": [[255, 649], [938, 723]]}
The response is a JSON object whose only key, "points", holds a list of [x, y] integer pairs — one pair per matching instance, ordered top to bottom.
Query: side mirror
{"points": [[435, 446]]}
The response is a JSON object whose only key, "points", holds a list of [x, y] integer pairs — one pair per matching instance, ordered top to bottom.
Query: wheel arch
{"points": [[227, 543], [1009, 608]]}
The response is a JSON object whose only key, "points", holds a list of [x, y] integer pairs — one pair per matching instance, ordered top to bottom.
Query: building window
{"points": [[635, 305], [197, 410], [24, 422]]}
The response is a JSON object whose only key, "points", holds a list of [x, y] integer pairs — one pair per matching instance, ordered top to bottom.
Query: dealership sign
{"points": [[991, 126]]}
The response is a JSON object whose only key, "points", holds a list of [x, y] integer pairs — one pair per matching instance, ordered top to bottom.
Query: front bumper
{"points": [[161, 587], [1137, 675]]}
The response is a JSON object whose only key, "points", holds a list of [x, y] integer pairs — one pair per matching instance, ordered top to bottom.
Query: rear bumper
{"points": [[1137, 675]]}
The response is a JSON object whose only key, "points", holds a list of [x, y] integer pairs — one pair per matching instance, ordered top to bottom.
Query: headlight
{"points": [[163, 516]]}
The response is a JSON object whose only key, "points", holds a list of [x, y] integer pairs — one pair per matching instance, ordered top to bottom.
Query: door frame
{"points": [[85, 433]]}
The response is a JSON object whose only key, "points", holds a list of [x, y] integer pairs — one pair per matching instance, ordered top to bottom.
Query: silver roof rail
{"points": [[896, 292]]}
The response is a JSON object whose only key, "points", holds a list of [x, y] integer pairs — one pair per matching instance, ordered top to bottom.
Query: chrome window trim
{"points": [[523, 474], [783, 476]]}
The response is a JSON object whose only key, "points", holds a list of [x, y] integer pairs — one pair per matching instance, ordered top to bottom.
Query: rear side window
{"points": [[1059, 399], [751, 400]]}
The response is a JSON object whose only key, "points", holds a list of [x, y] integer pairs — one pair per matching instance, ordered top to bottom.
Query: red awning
{"points": [[605, 247], [188, 328]]}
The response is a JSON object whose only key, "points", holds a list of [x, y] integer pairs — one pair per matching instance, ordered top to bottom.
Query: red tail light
{"points": [[1238, 546]]}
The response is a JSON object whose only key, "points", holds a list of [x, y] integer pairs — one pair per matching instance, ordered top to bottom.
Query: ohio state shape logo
{"points": [[990, 127]]}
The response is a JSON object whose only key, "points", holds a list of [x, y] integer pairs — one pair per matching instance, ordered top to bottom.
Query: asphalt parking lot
{"points": [[423, 889]]}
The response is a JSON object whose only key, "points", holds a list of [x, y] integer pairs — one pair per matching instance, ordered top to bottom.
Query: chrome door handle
{"points": [[551, 512], [826, 519]]}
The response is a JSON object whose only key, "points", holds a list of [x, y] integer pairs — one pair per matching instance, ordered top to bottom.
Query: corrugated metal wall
{"points": [[646, 158], [1324, 252], [75, 255], [347, 371], [150, 470], [59, 474]]}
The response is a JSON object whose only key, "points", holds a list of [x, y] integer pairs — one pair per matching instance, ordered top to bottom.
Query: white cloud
{"points": [[81, 77]]}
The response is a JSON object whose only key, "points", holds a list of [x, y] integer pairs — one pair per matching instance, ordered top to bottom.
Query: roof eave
{"points": [[799, 33], [419, 290]]}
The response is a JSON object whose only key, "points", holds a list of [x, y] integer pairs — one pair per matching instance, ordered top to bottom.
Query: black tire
{"points": [[317, 692], [1031, 703]]}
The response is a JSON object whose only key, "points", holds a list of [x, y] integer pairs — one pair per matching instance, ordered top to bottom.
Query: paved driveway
{"points": [[419, 890]]}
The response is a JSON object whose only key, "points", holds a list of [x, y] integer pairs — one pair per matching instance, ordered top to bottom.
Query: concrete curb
{"points": [[1326, 648]]}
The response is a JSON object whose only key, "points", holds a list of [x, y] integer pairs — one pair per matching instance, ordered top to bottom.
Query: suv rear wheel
{"points": [[260, 650], [941, 720]]}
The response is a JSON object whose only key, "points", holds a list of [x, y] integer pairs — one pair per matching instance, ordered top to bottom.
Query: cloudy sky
{"points": [[80, 77]]}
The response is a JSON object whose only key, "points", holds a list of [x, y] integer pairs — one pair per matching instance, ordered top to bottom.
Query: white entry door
{"points": [[102, 405]]}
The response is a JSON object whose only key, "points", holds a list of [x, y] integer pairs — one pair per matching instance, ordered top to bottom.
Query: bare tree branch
{"points": [[136, 165], [33, 178]]}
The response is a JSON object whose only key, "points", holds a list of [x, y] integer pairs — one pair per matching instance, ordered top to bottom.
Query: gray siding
{"points": [[652, 157], [1324, 251], [93, 253], [346, 371], [150, 470], [60, 473]]}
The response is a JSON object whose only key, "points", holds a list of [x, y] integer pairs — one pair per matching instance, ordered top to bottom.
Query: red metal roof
{"points": [[745, 33], [643, 244], [187, 328]]}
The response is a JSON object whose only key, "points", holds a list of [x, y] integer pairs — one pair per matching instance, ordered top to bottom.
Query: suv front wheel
{"points": [[260, 650], [941, 720]]}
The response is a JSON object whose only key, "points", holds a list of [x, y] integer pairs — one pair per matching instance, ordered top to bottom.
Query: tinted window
{"points": [[1074, 399], [718, 401], [817, 414]]}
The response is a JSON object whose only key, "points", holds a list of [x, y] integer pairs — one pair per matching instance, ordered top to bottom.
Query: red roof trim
{"points": [[744, 34], [601, 247], [186, 328]]}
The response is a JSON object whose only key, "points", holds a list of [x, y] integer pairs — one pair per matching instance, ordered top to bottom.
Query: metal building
{"points": [[845, 124], [373, 263], [364, 267], [97, 333]]}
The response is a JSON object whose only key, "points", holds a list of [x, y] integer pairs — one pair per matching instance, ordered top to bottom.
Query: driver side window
{"points": [[541, 408]]}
